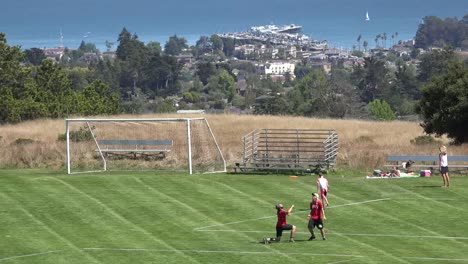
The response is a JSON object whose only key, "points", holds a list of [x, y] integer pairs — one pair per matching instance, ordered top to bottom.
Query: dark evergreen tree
{"points": [[175, 45], [34, 56], [444, 104]]}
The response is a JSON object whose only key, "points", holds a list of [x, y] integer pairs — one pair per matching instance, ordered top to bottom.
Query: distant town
{"points": [[278, 47]]}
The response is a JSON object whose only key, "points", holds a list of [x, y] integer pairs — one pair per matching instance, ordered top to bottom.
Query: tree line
{"points": [[437, 32]]}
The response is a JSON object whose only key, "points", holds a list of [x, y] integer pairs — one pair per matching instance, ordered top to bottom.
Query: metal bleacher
{"points": [[305, 150]]}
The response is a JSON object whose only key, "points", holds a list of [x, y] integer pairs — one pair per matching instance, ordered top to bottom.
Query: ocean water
{"points": [[32, 23]]}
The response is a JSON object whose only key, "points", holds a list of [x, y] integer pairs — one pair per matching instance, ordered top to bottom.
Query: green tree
{"points": [[437, 32], [359, 41], [217, 42], [365, 44], [109, 45], [175, 45], [202, 46], [229, 46], [87, 47], [154, 47], [34, 56], [132, 56], [435, 63], [107, 70], [205, 70], [301, 70], [161, 75], [372, 79], [406, 81], [222, 83], [17, 89], [54, 89], [253, 89], [308, 94], [97, 98], [340, 99], [444, 104], [273, 105], [164, 106], [381, 110]]}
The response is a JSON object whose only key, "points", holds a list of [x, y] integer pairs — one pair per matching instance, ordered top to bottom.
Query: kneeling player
{"points": [[281, 225]]}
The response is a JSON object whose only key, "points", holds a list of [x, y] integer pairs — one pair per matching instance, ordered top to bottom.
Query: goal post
{"points": [[172, 144]]}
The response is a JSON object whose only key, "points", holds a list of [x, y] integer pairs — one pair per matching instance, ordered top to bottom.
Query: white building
{"points": [[276, 68]]}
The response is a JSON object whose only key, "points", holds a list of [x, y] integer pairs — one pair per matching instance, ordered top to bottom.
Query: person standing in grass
{"points": [[443, 166], [322, 188], [316, 217], [281, 225]]}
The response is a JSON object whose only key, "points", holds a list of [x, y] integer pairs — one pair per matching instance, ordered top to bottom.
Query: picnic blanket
{"points": [[387, 176]]}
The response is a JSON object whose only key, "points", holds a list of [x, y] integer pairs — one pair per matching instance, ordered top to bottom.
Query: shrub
{"points": [[380, 110], [83, 134], [364, 139], [425, 140], [23, 141]]}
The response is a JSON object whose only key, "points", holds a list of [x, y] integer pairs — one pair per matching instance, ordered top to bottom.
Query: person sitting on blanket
{"points": [[395, 172], [385, 174]]}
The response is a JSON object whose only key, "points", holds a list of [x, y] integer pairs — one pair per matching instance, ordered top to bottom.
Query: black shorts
{"points": [[443, 170], [315, 223], [279, 230]]}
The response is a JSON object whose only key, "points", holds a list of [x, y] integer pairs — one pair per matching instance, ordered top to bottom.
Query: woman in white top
{"points": [[443, 166], [322, 188]]}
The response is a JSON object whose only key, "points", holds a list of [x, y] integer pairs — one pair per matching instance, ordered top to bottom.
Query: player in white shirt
{"points": [[443, 166], [322, 188]]}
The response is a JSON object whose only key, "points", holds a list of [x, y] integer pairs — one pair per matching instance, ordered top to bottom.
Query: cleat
{"points": [[311, 238], [324, 238], [292, 240], [266, 241]]}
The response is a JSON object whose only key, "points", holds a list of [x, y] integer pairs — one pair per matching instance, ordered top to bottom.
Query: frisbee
{"points": [[293, 176]]}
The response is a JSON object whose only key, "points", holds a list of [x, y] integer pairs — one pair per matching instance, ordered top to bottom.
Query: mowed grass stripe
{"points": [[209, 192], [134, 193], [171, 207], [402, 211], [125, 220], [49, 229]]}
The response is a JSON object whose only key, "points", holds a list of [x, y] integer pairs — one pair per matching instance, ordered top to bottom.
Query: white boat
{"points": [[367, 16], [275, 29], [290, 29]]}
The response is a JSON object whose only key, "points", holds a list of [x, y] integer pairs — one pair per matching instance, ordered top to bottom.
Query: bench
{"points": [[134, 148], [430, 162]]}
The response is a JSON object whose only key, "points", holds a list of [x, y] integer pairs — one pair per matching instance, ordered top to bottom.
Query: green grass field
{"points": [[50, 217]]}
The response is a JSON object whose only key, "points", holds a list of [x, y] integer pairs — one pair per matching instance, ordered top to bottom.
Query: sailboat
{"points": [[367, 16]]}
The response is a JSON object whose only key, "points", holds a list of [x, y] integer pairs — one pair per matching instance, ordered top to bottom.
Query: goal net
{"points": [[172, 144]]}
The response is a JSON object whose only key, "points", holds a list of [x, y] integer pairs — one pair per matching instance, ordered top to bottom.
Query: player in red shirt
{"points": [[316, 217], [281, 225]]}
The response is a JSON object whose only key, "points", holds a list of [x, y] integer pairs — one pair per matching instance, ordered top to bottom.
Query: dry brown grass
{"points": [[363, 144]]}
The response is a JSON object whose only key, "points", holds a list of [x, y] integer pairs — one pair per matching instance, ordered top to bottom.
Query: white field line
{"points": [[272, 216], [337, 233], [221, 252], [226, 252], [29, 255], [435, 259], [342, 261]]}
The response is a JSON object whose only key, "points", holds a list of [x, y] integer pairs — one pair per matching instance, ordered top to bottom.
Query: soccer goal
{"points": [[172, 144]]}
